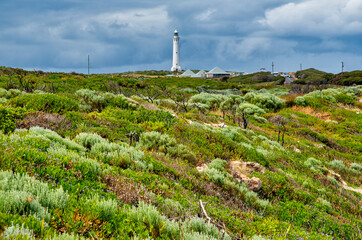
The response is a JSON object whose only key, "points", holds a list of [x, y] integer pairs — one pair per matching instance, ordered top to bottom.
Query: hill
{"points": [[316, 77], [114, 156]]}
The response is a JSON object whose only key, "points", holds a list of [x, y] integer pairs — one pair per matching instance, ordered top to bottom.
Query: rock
{"points": [[220, 125], [319, 145], [295, 149], [246, 167], [202, 168], [240, 171], [254, 184]]}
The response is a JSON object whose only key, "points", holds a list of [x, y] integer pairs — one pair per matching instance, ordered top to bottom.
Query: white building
{"points": [[176, 53], [216, 72], [188, 73], [201, 74]]}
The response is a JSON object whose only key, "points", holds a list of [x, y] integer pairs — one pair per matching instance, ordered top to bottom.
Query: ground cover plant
{"points": [[148, 156]]}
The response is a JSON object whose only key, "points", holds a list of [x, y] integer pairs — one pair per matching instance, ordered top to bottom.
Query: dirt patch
{"points": [[150, 106], [313, 112], [51, 121], [352, 189]]}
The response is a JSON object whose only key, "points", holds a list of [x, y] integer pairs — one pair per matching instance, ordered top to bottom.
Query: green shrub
{"points": [[15, 92], [4, 93], [330, 95], [94, 99], [91, 100], [3, 101], [208, 101], [266, 101], [300, 101], [45, 102], [122, 102], [167, 103], [250, 109], [8, 119], [56, 138], [88, 140], [156, 140], [166, 144], [102, 147], [119, 154], [125, 154], [253, 155], [312, 162], [218, 164], [337, 164], [315, 165], [356, 167], [90, 168], [215, 175], [333, 181], [23, 185], [324, 204], [173, 207], [105, 210], [150, 216], [200, 226], [17, 232], [66, 236], [197, 236]]}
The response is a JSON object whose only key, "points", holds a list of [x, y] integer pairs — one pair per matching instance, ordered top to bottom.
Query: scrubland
{"points": [[114, 156]]}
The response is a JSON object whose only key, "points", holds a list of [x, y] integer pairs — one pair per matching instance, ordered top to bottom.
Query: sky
{"points": [[236, 35]]}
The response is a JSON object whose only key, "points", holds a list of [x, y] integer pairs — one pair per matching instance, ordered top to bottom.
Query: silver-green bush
{"points": [[88, 140], [166, 144], [337, 164], [17, 232]]}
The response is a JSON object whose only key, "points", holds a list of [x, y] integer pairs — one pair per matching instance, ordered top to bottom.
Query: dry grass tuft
{"points": [[313, 112], [51, 121], [126, 190]]}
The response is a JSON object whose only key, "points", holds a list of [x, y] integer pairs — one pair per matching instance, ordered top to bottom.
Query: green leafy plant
{"points": [[47, 102], [9, 118]]}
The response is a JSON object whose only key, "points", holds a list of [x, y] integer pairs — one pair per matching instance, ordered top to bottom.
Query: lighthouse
{"points": [[176, 53]]}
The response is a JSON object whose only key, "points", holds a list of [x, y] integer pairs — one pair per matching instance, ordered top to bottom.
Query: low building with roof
{"points": [[216, 72], [188, 73], [201, 74]]}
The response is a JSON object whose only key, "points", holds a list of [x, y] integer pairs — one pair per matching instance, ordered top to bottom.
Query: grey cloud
{"points": [[322, 17], [126, 35]]}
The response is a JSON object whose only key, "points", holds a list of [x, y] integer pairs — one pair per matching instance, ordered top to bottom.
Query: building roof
{"points": [[217, 70], [188, 73], [200, 73]]}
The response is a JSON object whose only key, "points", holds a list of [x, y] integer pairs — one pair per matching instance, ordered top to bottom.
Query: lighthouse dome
{"points": [[176, 32]]}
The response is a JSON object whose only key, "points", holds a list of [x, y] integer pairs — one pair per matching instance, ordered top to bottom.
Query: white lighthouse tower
{"points": [[176, 53]]}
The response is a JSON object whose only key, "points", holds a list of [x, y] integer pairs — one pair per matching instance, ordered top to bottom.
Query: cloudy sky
{"points": [[239, 35]]}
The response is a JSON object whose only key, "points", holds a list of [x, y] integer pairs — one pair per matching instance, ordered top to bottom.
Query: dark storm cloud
{"points": [[129, 35]]}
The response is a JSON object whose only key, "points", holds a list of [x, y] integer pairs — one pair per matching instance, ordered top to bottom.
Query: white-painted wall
{"points": [[176, 53]]}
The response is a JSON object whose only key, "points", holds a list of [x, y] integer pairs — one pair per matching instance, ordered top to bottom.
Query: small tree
{"points": [[149, 93], [181, 99], [230, 106], [247, 109], [281, 122]]}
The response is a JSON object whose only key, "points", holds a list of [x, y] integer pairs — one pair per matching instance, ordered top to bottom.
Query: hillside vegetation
{"points": [[316, 77], [119, 157]]}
